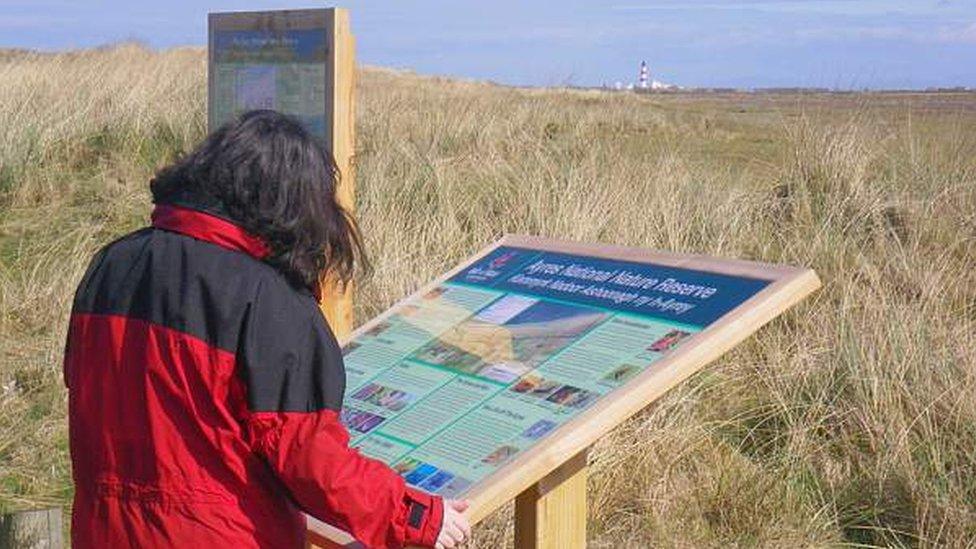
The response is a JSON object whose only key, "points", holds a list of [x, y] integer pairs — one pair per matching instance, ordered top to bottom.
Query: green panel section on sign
{"points": [[283, 70], [456, 382]]}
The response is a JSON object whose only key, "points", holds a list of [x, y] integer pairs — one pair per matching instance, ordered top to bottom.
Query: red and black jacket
{"points": [[204, 393]]}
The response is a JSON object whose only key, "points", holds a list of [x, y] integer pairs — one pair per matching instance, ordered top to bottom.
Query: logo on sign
{"points": [[493, 269]]}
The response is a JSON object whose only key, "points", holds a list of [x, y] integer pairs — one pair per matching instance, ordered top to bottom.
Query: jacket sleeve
{"points": [[292, 371]]}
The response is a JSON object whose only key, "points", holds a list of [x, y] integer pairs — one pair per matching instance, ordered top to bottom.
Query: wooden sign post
{"points": [[301, 63], [492, 382], [33, 529]]}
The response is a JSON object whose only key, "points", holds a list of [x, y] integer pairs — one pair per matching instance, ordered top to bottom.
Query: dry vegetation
{"points": [[849, 421]]}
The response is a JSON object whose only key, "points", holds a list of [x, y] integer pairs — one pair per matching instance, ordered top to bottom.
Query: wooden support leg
{"points": [[551, 514]]}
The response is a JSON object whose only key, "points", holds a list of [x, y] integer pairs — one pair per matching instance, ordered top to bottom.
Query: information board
{"points": [[271, 60], [301, 63], [534, 341]]}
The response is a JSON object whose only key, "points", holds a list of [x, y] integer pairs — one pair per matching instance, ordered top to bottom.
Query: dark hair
{"points": [[269, 175]]}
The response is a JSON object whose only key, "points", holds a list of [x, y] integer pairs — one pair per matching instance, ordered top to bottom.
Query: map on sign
{"points": [[279, 69], [459, 380]]}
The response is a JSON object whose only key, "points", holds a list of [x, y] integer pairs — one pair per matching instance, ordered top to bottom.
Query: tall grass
{"points": [[849, 421]]}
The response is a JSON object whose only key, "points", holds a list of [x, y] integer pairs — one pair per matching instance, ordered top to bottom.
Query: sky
{"points": [[845, 44]]}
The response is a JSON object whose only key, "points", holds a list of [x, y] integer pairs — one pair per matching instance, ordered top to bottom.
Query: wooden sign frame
{"points": [[339, 109], [548, 480]]}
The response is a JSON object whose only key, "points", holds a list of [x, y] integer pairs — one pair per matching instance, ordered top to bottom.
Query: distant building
{"points": [[645, 83]]}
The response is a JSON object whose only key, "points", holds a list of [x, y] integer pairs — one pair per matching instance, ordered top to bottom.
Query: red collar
{"points": [[209, 228]]}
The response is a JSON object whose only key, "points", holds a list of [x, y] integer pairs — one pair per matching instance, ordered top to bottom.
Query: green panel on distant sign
{"points": [[267, 67]]}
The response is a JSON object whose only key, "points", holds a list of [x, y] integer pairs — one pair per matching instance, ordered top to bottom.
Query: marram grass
{"points": [[849, 421]]}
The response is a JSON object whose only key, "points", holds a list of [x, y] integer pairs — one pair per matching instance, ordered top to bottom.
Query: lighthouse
{"points": [[644, 76]]}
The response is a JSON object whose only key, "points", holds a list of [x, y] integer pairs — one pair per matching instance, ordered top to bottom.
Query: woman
{"points": [[204, 384]]}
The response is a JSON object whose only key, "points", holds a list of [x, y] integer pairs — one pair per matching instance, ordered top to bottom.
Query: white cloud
{"points": [[827, 7], [32, 21], [944, 34], [963, 35]]}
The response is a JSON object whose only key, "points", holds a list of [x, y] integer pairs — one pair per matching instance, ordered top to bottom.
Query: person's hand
{"points": [[455, 529]]}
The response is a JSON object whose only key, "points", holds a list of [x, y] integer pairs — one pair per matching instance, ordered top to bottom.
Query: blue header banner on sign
{"points": [[271, 46], [687, 296]]}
